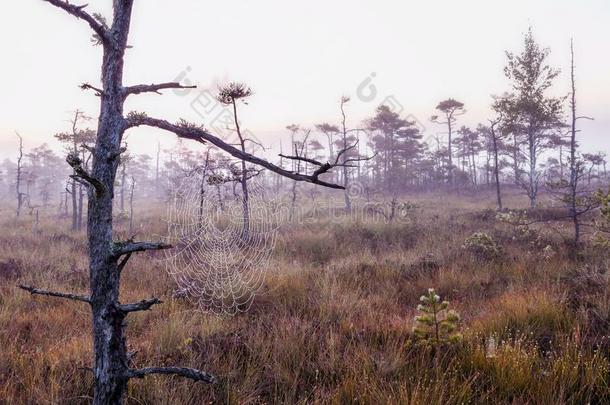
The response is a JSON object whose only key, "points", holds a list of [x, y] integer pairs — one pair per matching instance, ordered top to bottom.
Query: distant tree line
{"points": [[529, 142]]}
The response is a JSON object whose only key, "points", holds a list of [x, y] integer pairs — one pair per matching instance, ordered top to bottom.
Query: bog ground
{"points": [[334, 320]]}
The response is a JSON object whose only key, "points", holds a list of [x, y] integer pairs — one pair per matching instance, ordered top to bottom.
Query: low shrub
{"points": [[482, 247]]}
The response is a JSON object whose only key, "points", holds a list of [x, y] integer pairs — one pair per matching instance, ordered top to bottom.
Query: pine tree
{"points": [[531, 115], [437, 324]]}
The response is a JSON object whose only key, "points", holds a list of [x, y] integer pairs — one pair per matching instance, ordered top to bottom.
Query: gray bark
{"points": [[111, 365]]}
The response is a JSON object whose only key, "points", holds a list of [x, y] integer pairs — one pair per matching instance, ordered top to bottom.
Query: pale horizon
{"points": [[299, 59]]}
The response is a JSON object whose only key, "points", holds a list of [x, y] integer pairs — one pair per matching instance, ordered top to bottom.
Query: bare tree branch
{"points": [[79, 12], [87, 86], [153, 88], [190, 131], [255, 142], [91, 149], [345, 150], [112, 156], [302, 158], [361, 158], [325, 167], [322, 169], [81, 174], [79, 180], [128, 247], [124, 261], [38, 291], [143, 305], [191, 373]]}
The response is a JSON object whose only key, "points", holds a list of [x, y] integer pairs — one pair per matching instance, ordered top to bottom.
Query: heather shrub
{"points": [[482, 247]]}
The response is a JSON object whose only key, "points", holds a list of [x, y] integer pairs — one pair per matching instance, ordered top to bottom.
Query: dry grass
{"points": [[333, 324]]}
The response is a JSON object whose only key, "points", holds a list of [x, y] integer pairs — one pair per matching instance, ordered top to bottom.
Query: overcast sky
{"points": [[299, 57]]}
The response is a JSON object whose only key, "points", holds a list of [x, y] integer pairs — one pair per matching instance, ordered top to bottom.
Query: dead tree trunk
{"points": [[494, 141], [450, 150], [560, 161], [573, 164], [157, 168], [19, 176], [123, 181], [73, 186], [202, 186], [131, 189], [81, 197], [245, 197], [293, 198], [66, 201], [348, 202], [61, 204], [579, 204], [79, 215], [108, 257], [111, 371]]}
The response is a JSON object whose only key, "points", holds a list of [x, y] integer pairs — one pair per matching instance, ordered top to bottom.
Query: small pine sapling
{"points": [[437, 324]]}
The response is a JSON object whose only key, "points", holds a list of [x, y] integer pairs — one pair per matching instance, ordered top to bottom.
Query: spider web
{"points": [[215, 262]]}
